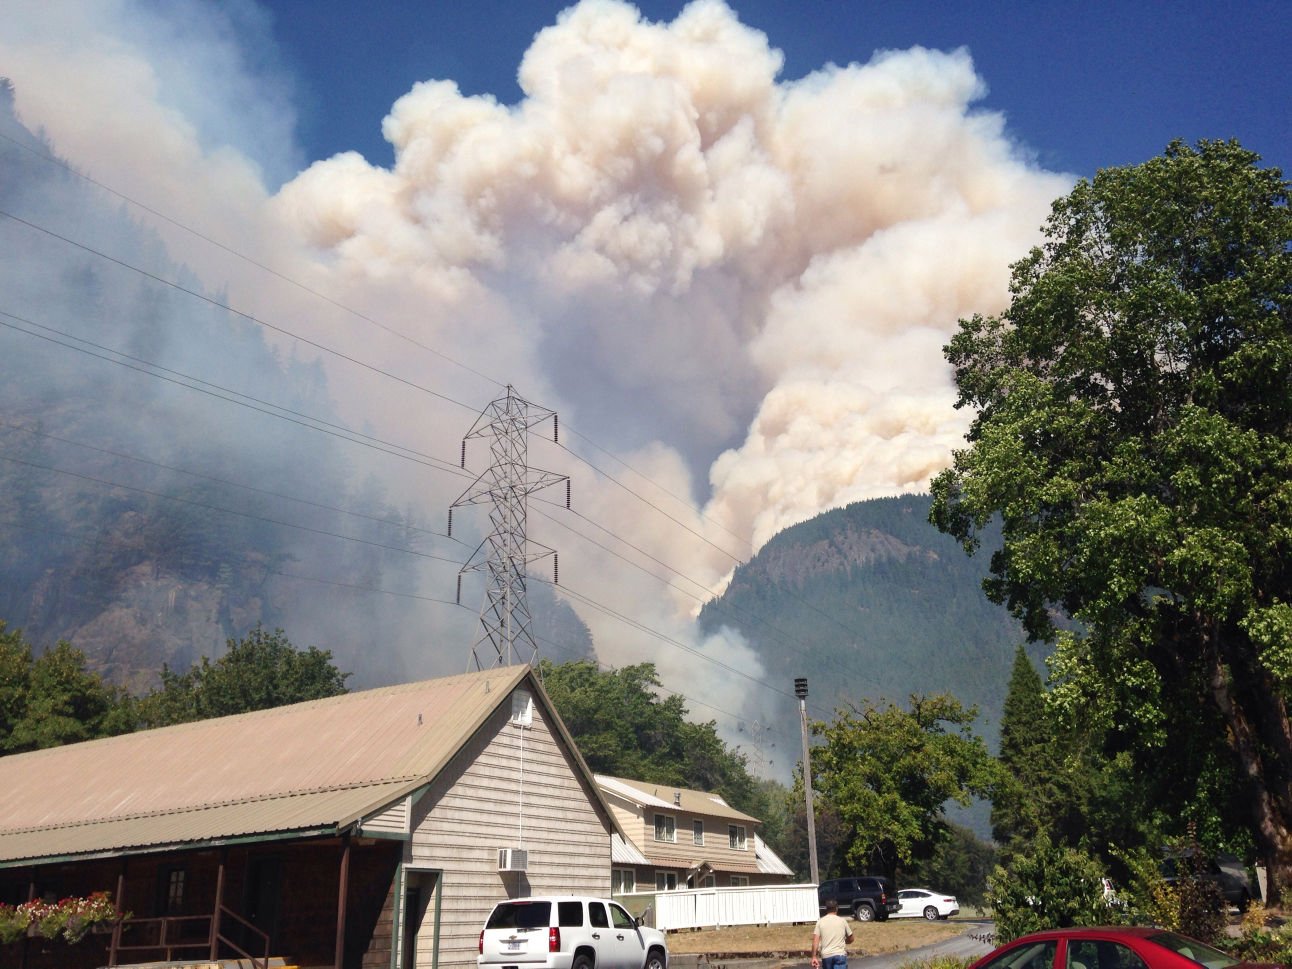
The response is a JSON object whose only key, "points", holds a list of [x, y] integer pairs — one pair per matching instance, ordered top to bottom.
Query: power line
{"points": [[44, 156], [236, 312], [237, 397], [226, 481], [227, 511], [745, 540], [717, 603], [664, 638]]}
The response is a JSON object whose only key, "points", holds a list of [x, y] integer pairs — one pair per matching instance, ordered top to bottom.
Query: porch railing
{"points": [[166, 934]]}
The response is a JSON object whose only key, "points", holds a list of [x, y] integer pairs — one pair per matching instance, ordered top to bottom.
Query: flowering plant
{"points": [[70, 918], [14, 921]]}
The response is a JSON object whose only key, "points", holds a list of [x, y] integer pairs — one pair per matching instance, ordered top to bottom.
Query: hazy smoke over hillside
{"points": [[738, 285]]}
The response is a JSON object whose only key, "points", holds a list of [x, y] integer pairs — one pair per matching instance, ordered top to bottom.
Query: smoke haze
{"points": [[737, 285]]}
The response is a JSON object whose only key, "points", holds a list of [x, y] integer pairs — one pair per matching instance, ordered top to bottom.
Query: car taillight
{"points": [[553, 939], [482, 942]]}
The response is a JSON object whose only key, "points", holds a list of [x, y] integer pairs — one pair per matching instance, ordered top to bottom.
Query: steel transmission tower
{"points": [[505, 621]]}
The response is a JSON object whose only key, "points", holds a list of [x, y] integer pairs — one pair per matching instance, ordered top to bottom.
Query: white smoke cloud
{"points": [[740, 284]]}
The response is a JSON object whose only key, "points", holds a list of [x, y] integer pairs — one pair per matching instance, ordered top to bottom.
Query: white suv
{"points": [[568, 932]]}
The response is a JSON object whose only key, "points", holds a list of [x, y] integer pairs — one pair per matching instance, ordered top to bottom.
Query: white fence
{"points": [[713, 907]]}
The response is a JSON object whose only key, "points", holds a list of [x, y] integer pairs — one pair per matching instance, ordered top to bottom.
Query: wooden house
{"points": [[373, 830], [674, 838]]}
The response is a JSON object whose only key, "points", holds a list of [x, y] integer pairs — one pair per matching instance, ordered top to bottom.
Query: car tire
{"points": [[863, 913], [931, 913], [655, 960], [581, 961]]}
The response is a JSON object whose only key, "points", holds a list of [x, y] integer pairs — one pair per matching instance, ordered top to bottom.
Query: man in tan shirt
{"points": [[830, 939]]}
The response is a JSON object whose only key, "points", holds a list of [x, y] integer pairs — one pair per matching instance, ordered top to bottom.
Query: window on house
{"points": [[522, 708], [665, 827], [697, 832], [736, 836], [622, 881], [665, 881], [708, 881], [739, 881], [170, 890]]}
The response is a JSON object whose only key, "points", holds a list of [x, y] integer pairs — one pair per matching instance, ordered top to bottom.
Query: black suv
{"points": [[867, 897]]}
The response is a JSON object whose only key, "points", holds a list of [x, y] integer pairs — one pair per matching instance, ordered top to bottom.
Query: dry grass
{"points": [[869, 938]]}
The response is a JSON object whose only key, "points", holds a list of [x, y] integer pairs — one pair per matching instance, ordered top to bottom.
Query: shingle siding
{"points": [[509, 787]]}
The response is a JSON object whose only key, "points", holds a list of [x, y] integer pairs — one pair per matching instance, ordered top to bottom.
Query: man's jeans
{"points": [[834, 962]]}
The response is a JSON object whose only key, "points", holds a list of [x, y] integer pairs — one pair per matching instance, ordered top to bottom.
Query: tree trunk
{"points": [[1261, 738]]}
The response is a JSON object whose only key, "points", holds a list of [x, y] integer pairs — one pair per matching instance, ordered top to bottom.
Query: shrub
{"points": [[1046, 886], [938, 962]]}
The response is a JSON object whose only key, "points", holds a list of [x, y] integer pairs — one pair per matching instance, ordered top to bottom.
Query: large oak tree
{"points": [[1133, 431]]}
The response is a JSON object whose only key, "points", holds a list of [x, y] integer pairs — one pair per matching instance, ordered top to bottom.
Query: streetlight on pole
{"points": [[801, 691]]}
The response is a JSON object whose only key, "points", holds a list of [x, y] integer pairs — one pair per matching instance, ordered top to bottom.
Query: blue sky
{"points": [[1082, 85]]}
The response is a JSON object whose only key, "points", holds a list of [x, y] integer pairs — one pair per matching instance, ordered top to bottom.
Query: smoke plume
{"points": [[737, 285]]}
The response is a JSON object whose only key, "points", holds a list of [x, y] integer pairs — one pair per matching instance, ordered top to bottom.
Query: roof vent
{"points": [[677, 798], [513, 859]]}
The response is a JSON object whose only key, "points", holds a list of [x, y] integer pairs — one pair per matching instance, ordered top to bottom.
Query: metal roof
{"points": [[309, 767], [672, 798], [624, 852], [768, 861]]}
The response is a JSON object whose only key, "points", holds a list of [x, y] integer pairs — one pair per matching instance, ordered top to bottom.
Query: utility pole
{"points": [[505, 621], [801, 691]]}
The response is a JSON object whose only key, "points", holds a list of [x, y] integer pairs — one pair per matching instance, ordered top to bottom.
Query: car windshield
{"points": [[520, 915], [1203, 955]]}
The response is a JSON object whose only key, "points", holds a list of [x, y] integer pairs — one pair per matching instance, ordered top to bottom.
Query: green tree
{"points": [[1133, 432], [259, 671], [53, 699], [625, 729], [888, 773], [960, 865], [1049, 886]]}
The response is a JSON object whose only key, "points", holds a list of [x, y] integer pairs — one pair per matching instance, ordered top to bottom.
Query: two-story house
{"points": [[678, 838]]}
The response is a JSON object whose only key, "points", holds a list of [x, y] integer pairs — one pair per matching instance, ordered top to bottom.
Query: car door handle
{"points": [[596, 935]]}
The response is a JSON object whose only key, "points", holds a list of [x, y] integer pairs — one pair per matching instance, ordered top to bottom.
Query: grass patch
{"points": [[869, 938]]}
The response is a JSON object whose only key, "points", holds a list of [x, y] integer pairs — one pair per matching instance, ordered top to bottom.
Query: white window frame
{"points": [[668, 824], [697, 832], [737, 837], [623, 881], [665, 881], [708, 881], [739, 881]]}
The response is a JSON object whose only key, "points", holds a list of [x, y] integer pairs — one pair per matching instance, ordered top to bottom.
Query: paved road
{"points": [[964, 946]]}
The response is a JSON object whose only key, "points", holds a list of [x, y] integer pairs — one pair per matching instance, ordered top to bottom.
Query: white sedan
{"points": [[920, 903]]}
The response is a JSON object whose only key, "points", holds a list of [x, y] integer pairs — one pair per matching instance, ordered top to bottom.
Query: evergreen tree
{"points": [[1027, 746]]}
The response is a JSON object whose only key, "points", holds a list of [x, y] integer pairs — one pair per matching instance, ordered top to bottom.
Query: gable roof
{"points": [[309, 768], [670, 798]]}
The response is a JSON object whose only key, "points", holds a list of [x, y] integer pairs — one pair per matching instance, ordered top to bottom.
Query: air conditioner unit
{"points": [[513, 859]]}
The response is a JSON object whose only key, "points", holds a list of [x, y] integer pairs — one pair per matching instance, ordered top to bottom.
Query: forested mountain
{"points": [[871, 601]]}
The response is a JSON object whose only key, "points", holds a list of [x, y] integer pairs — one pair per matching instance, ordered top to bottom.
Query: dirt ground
{"points": [[869, 938]]}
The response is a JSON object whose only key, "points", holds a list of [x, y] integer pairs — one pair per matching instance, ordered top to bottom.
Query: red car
{"points": [[1114, 947]]}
